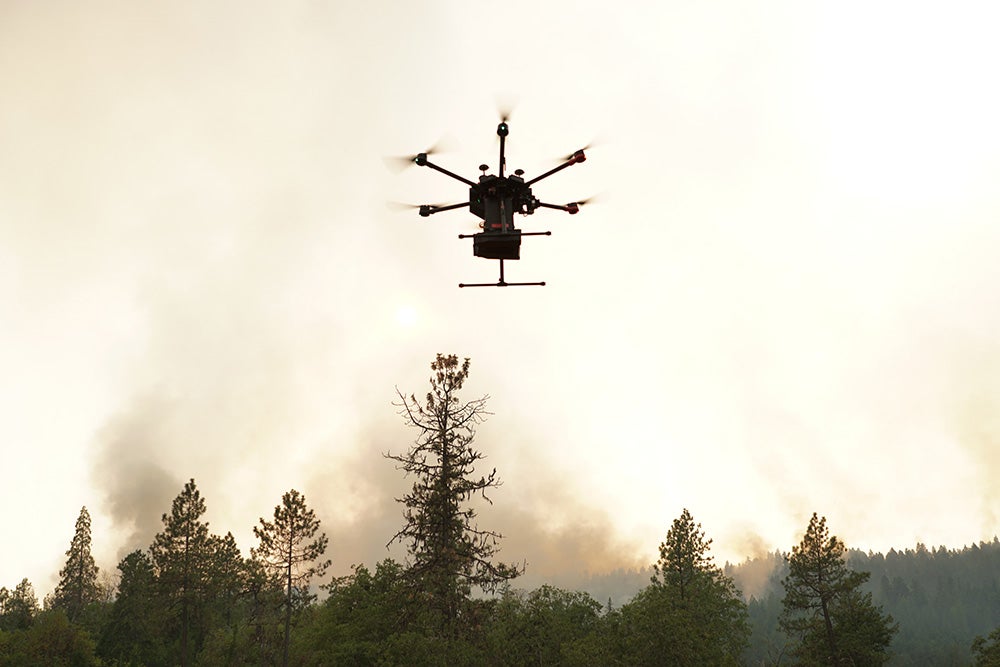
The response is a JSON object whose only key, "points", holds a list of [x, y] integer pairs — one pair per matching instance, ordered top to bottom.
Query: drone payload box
{"points": [[493, 245]]}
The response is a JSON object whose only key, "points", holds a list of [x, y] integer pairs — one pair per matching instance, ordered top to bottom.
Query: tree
{"points": [[289, 547], [448, 552], [180, 554], [78, 585], [225, 591], [19, 607], [823, 608], [692, 612], [356, 623], [548, 626], [134, 631], [51, 641], [986, 651]]}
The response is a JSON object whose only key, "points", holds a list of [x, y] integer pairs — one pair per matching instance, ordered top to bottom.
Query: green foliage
{"points": [[290, 549], [449, 554], [181, 555], [78, 587], [941, 598], [223, 603], [262, 603], [18, 607], [363, 610], [824, 611], [691, 613], [375, 618], [548, 626], [133, 634], [52, 641], [986, 651]]}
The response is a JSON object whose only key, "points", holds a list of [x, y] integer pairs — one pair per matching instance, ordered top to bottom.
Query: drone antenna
{"points": [[502, 131]]}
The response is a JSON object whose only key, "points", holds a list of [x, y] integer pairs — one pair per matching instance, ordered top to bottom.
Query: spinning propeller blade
{"points": [[505, 107], [579, 150], [398, 163], [405, 206], [574, 206]]}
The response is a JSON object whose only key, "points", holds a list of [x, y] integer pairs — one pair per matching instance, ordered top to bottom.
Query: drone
{"points": [[495, 199]]}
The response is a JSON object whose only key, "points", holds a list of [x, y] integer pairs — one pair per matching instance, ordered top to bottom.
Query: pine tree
{"points": [[290, 548], [448, 552], [180, 554], [685, 562], [225, 584], [78, 585], [19, 607], [714, 608], [824, 610], [691, 613], [134, 631]]}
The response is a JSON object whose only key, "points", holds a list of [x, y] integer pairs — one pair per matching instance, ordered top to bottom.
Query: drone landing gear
{"points": [[501, 246], [502, 283]]}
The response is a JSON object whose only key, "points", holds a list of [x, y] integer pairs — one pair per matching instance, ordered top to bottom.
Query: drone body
{"points": [[495, 199]]}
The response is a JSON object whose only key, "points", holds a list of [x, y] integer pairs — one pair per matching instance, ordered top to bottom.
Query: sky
{"points": [[785, 300]]}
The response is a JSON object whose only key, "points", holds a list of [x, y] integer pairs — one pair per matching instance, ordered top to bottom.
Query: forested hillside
{"points": [[941, 598]]}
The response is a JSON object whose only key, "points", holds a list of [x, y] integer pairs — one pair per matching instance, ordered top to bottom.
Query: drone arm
{"points": [[576, 157], [427, 163], [572, 208], [429, 209], [438, 209]]}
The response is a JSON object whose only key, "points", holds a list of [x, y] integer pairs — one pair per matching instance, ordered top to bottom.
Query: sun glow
{"points": [[406, 316]]}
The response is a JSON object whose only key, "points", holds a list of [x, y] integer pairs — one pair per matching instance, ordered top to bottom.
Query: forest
{"points": [[193, 598]]}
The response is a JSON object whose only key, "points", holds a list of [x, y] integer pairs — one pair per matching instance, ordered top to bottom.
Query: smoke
{"points": [[790, 304], [976, 419], [136, 489], [546, 526], [555, 534], [754, 575]]}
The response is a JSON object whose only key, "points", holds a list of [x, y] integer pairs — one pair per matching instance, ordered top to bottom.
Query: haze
{"points": [[787, 300]]}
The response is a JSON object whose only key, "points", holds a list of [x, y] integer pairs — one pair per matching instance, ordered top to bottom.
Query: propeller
{"points": [[505, 107], [580, 153], [398, 163], [574, 206], [425, 209]]}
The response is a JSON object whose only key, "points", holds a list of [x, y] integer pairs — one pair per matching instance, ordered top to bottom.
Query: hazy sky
{"points": [[787, 301]]}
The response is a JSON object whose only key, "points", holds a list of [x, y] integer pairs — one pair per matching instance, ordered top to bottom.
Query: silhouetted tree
{"points": [[290, 548], [448, 552], [180, 554], [77, 585], [225, 589], [20, 607], [824, 610], [691, 614], [134, 631]]}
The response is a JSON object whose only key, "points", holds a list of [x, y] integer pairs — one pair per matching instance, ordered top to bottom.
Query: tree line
{"points": [[192, 598], [946, 602]]}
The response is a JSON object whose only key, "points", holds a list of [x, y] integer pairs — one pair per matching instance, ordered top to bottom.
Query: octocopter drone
{"points": [[495, 199]]}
